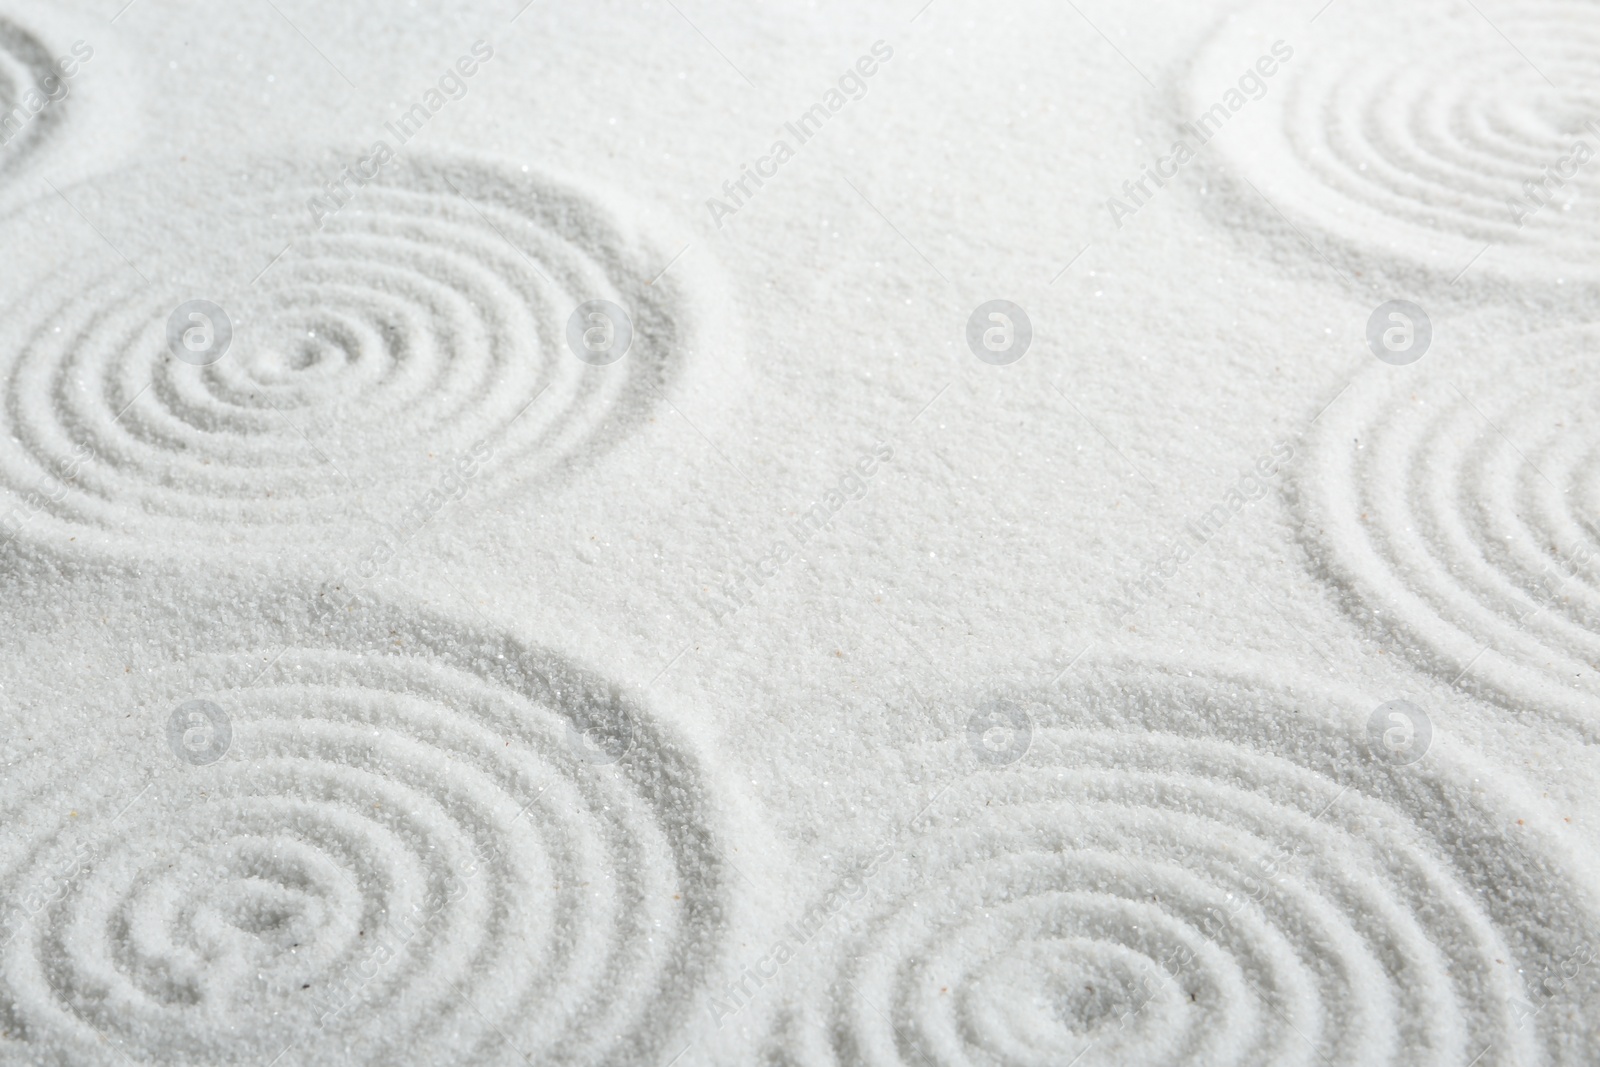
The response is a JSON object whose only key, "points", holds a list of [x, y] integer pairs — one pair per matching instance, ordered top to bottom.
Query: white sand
{"points": [[800, 687]]}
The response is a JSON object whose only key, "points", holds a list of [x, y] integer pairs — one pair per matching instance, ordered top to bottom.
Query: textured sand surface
{"points": [[689, 533]]}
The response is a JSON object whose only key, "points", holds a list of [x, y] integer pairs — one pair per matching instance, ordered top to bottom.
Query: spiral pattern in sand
{"points": [[25, 64], [1404, 134], [419, 333], [1454, 505], [400, 858], [1207, 870]]}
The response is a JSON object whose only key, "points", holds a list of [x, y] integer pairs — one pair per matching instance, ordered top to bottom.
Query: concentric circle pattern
{"points": [[26, 66], [1411, 133], [413, 342], [1454, 504], [400, 858], [1208, 870]]}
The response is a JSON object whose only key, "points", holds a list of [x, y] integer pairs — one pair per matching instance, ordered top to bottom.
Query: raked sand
{"points": [[676, 533]]}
